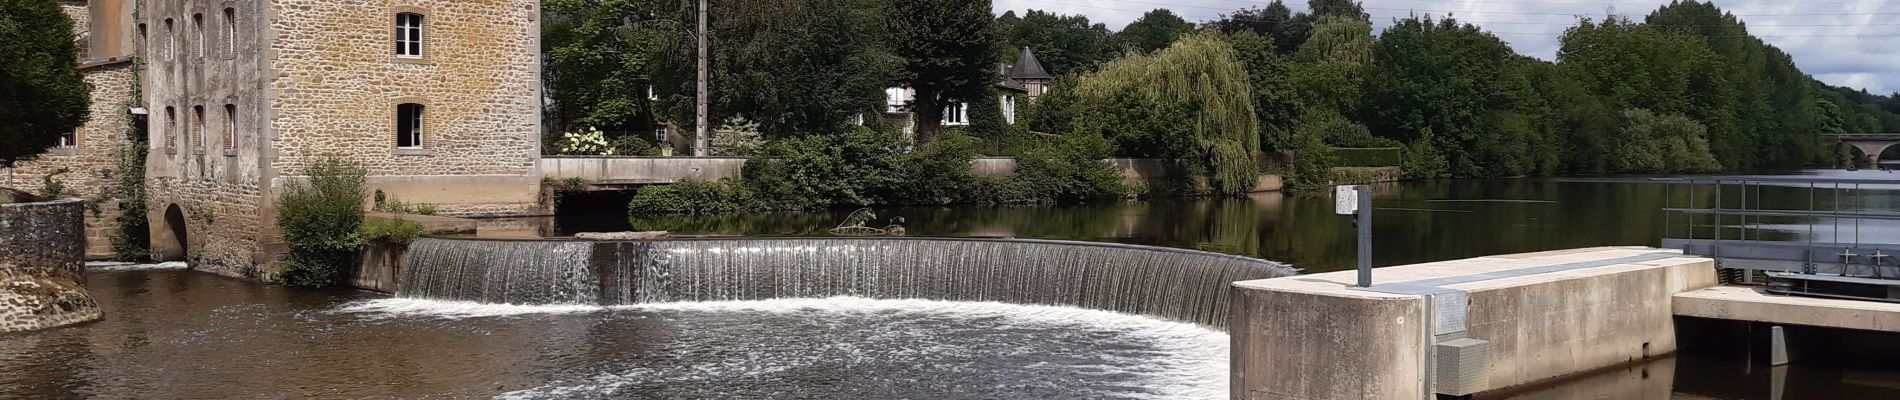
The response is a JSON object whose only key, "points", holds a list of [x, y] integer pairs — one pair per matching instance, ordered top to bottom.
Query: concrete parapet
{"points": [[1755, 304], [1545, 316]]}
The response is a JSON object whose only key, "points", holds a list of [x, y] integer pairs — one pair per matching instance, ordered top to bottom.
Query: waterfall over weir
{"points": [[1182, 285]]}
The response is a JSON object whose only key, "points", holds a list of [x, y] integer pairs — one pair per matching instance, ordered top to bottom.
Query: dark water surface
{"points": [[1414, 222], [175, 334]]}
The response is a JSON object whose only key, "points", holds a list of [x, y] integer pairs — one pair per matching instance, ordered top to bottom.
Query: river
{"points": [[171, 333]]}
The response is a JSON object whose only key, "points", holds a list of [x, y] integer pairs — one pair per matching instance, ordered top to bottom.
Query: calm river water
{"points": [[1414, 222], [178, 334]]}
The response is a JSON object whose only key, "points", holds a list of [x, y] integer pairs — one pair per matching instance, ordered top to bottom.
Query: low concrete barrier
{"points": [[1457, 327]]}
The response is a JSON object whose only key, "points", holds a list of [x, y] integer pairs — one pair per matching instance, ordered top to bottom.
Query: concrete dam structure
{"points": [[1182, 285]]}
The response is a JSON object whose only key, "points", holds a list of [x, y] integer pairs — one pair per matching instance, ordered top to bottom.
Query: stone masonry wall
{"points": [[76, 9], [478, 80], [91, 165], [222, 224], [41, 256]]}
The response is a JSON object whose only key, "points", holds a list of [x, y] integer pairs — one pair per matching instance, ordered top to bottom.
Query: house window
{"points": [[198, 30], [230, 32], [144, 33], [409, 35], [171, 40], [894, 99], [1009, 109], [956, 114], [230, 126], [409, 126], [171, 127], [197, 127], [659, 133], [69, 139]]}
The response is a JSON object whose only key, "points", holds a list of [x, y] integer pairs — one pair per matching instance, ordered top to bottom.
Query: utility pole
{"points": [[700, 146]]}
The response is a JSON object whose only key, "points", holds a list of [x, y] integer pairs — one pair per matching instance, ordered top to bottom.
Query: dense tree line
{"points": [[1684, 89]]}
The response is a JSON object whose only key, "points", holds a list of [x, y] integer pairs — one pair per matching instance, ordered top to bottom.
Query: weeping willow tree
{"points": [[1191, 102]]}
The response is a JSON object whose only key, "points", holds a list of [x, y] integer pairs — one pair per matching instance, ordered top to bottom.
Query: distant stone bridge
{"points": [[1871, 144]]}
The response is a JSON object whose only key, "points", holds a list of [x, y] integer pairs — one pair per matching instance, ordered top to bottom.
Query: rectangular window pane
{"points": [[230, 126]]}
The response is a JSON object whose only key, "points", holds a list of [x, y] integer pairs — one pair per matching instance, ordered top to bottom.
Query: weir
{"points": [[1182, 285]]}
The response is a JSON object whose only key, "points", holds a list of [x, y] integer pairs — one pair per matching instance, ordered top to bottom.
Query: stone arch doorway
{"points": [[172, 242]]}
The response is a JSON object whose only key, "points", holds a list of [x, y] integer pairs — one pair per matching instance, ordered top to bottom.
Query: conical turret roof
{"points": [[1027, 67]]}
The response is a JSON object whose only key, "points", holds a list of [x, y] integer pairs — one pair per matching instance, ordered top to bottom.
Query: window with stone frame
{"points": [[198, 31], [230, 32], [409, 35], [144, 39], [171, 40], [230, 126], [409, 126], [197, 128], [170, 129], [68, 140]]}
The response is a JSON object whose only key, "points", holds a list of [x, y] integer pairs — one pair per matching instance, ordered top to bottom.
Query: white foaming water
{"points": [[125, 266], [394, 308], [1189, 361]]}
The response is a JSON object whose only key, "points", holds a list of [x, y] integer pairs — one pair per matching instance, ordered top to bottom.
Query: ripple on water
{"points": [[856, 348]]}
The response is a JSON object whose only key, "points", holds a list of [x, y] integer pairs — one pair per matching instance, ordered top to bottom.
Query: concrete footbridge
{"points": [[1870, 144]]}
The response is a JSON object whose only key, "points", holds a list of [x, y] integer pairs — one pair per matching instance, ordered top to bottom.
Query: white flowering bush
{"points": [[589, 142]]}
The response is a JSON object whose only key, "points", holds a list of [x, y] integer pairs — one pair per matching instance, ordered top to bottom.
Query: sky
{"points": [[1845, 43]]}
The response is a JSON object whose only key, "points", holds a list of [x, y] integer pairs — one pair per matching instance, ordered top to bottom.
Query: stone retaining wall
{"points": [[42, 251]]}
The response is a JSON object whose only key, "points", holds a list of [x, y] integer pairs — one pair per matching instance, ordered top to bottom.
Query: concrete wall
{"points": [[641, 169], [41, 255], [1310, 337]]}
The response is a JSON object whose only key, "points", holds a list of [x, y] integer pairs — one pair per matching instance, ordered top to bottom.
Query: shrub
{"points": [[45, 95], [738, 137], [588, 142], [633, 145], [1368, 157], [1071, 169], [51, 188], [694, 197], [384, 204], [321, 221], [392, 232], [132, 241]]}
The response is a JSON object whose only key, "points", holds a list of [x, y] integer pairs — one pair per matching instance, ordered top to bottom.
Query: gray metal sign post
{"points": [[1357, 202]]}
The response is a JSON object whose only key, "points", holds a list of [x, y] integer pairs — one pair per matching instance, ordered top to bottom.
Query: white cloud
{"points": [[1845, 43]]}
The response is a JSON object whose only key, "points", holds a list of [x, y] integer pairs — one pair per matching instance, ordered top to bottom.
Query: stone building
{"points": [[437, 99], [87, 160]]}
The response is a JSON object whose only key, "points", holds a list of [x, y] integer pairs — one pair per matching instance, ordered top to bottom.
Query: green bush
{"points": [[633, 145], [1368, 157], [1071, 169], [694, 197], [387, 205], [321, 221], [392, 232], [132, 241]]}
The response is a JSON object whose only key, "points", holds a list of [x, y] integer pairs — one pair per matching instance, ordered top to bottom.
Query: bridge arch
{"points": [[170, 236]]}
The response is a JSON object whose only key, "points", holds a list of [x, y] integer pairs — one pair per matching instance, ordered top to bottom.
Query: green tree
{"points": [[1275, 22], [1153, 31], [1064, 43], [948, 48], [796, 67], [595, 71], [1196, 78], [1452, 80], [42, 95], [1276, 104], [1653, 143]]}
